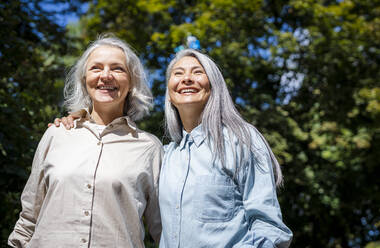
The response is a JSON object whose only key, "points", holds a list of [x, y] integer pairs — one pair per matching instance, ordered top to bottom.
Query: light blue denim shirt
{"points": [[202, 205]]}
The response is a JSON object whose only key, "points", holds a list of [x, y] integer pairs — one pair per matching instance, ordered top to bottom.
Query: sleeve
{"points": [[32, 197], [262, 209], [152, 211]]}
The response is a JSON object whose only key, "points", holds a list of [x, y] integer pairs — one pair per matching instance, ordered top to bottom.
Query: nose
{"points": [[106, 75], [187, 79]]}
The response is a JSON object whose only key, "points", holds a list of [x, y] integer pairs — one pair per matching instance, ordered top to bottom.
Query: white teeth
{"points": [[106, 87], [188, 91]]}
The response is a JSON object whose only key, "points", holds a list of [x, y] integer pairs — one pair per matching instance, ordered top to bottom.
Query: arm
{"points": [[32, 198], [260, 202], [152, 211]]}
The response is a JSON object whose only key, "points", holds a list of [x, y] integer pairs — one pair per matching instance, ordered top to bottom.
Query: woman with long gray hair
{"points": [[218, 180], [92, 185]]}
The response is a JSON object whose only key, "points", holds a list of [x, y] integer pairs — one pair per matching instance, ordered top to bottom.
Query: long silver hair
{"points": [[138, 101], [218, 113]]}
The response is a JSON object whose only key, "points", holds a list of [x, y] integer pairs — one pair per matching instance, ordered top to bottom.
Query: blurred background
{"points": [[304, 72]]}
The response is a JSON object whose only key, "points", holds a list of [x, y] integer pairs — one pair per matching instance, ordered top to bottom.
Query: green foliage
{"points": [[337, 51], [305, 72], [31, 80], [373, 245]]}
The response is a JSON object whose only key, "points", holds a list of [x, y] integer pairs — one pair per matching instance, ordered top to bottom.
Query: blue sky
{"points": [[63, 19]]}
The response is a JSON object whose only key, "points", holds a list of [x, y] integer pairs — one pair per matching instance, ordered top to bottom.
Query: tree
{"points": [[335, 47], [305, 73], [31, 80]]}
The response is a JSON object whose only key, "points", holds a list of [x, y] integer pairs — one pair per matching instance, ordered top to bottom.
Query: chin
{"points": [[104, 100]]}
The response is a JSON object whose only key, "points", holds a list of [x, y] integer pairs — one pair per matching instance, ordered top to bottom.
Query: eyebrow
{"points": [[97, 62], [192, 68]]}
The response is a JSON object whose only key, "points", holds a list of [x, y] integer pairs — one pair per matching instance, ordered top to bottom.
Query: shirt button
{"points": [[111, 126], [99, 143], [89, 186], [177, 207], [86, 213], [83, 240]]}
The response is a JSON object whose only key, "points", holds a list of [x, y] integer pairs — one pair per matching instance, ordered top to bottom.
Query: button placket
{"points": [[100, 140], [183, 181]]}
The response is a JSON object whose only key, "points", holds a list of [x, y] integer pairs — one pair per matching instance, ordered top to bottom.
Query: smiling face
{"points": [[107, 78], [188, 84]]}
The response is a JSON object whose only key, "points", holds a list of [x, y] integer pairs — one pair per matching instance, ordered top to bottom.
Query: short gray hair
{"points": [[138, 101], [218, 113]]}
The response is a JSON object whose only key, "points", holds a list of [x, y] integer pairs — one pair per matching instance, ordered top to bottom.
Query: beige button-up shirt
{"points": [[91, 189]]}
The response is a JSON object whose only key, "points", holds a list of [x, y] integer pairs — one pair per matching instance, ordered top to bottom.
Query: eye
{"points": [[95, 68], [118, 69], [198, 72], [177, 73]]}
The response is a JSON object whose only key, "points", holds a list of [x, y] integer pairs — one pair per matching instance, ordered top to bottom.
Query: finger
{"points": [[70, 120], [57, 122], [65, 123], [50, 124]]}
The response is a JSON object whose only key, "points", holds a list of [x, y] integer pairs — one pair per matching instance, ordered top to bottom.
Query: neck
{"points": [[103, 115], [190, 118]]}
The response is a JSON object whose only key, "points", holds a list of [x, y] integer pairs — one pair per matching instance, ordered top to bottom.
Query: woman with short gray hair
{"points": [[139, 99], [218, 179], [92, 185]]}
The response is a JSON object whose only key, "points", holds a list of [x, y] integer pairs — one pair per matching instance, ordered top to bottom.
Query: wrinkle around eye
{"points": [[95, 67], [119, 69]]}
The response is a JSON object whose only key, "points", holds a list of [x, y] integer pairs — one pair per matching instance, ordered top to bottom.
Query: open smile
{"points": [[107, 87], [188, 91]]}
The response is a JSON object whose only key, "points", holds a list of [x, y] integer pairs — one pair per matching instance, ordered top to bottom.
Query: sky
{"points": [[63, 19]]}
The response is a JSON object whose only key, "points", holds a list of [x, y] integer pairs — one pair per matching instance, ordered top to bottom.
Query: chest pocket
{"points": [[214, 199]]}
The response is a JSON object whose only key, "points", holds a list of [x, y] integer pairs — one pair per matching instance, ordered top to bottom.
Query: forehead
{"points": [[107, 53], [187, 62]]}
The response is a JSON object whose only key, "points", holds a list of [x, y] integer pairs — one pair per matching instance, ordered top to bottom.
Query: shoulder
{"points": [[54, 131], [51, 135], [248, 135], [151, 139], [258, 141], [169, 147], [170, 150], [261, 150]]}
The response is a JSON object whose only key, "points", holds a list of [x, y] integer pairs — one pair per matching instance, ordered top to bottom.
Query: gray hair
{"points": [[138, 101], [219, 112]]}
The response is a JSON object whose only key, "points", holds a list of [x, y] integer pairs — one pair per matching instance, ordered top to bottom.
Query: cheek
{"points": [[91, 80], [203, 81], [124, 82], [88, 84], [172, 85], [206, 85], [170, 95]]}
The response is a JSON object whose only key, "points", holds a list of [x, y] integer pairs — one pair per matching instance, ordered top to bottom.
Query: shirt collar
{"points": [[86, 116], [196, 135]]}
